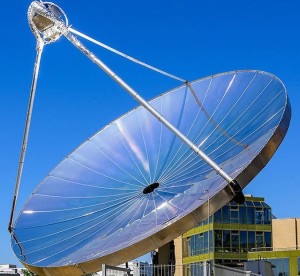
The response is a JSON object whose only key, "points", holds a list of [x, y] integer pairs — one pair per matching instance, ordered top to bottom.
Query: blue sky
{"points": [[190, 39]]}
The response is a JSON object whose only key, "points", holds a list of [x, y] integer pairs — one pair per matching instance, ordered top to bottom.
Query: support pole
{"points": [[39, 50], [208, 221], [103, 269]]}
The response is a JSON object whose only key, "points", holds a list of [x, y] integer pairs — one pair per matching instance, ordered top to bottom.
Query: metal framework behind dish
{"points": [[48, 22]]}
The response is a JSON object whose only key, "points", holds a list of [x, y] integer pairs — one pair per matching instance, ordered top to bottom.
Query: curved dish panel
{"points": [[134, 185]]}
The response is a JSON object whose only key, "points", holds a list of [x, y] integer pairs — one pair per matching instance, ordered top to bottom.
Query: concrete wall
{"points": [[285, 233], [178, 256]]}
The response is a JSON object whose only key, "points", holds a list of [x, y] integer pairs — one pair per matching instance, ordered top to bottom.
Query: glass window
{"points": [[249, 203], [257, 204], [226, 214], [234, 214], [243, 215], [250, 215], [259, 215], [218, 216], [267, 216], [205, 234], [259, 239], [211, 240], [226, 240], [251, 240], [268, 240], [196, 241], [218, 241], [235, 241], [243, 241], [201, 243], [186, 245], [192, 245], [274, 266], [286, 266], [279, 267]]}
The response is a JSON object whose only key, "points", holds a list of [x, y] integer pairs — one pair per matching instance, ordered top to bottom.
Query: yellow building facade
{"points": [[238, 233]]}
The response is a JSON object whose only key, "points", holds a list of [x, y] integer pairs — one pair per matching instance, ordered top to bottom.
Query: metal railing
{"points": [[256, 249], [194, 269], [160, 270]]}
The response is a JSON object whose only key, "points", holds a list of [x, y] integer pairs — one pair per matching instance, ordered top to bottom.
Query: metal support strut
{"points": [[44, 33], [39, 50], [125, 55], [143, 102]]}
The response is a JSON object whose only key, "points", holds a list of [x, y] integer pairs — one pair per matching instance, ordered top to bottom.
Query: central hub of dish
{"points": [[150, 188]]}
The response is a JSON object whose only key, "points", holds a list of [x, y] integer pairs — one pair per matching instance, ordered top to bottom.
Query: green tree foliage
{"points": [[28, 273]]}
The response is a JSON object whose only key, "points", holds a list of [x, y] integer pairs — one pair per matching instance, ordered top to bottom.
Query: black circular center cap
{"points": [[150, 188]]}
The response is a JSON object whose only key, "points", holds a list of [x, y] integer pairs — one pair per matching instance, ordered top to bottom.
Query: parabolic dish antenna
{"points": [[135, 185]]}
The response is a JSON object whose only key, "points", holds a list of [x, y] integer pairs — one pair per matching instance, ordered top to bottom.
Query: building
{"points": [[239, 233], [230, 234], [285, 253], [134, 268], [10, 269]]}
